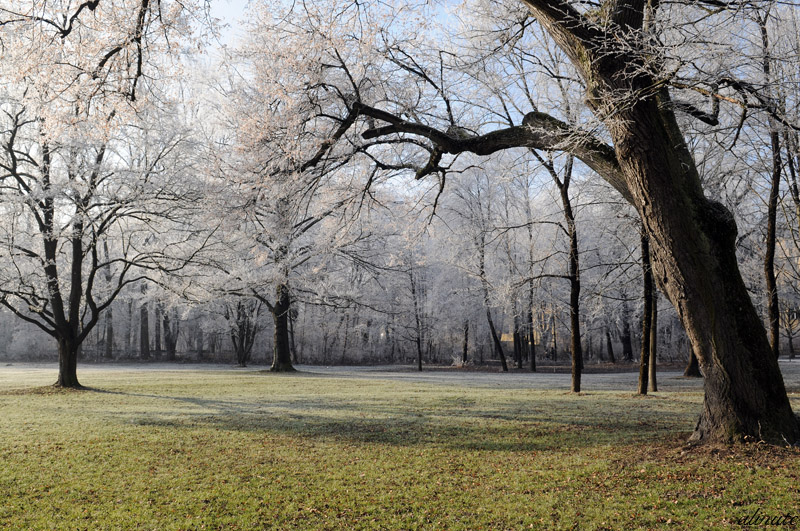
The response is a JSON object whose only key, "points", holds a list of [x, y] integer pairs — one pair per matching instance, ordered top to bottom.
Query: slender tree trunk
{"points": [[531, 261], [574, 274], [771, 284], [773, 309], [574, 314], [647, 316], [417, 319], [129, 330], [157, 330], [144, 332], [532, 332], [170, 335], [555, 335], [625, 337], [291, 338], [517, 341], [200, 343], [465, 345], [109, 346], [498, 346], [610, 347], [343, 358], [282, 359], [693, 366], [653, 384]]}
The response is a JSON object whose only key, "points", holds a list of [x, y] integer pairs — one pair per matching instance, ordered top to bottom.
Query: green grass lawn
{"points": [[227, 449]]}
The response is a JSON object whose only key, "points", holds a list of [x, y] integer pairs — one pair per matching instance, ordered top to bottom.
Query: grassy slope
{"points": [[243, 450]]}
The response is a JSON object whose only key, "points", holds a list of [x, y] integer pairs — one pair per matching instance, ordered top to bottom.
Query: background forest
{"points": [[192, 202]]}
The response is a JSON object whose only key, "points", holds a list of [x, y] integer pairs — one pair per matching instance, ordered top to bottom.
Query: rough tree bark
{"points": [[282, 356]]}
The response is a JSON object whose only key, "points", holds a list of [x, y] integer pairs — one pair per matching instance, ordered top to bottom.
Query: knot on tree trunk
{"points": [[718, 223]]}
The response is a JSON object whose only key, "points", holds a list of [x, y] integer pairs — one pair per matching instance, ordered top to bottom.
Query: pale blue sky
{"points": [[229, 11]]}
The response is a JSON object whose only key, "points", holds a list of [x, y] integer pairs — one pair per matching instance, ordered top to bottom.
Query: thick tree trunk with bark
{"points": [[692, 239], [693, 243], [282, 356], [68, 363]]}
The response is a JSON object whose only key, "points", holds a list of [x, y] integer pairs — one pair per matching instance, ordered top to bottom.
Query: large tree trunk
{"points": [[692, 239], [694, 256], [282, 356], [68, 363]]}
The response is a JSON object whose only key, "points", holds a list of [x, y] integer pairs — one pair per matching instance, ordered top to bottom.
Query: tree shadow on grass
{"points": [[515, 426]]}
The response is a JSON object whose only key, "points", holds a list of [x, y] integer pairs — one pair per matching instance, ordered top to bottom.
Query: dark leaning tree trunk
{"points": [[692, 239], [694, 258], [282, 355]]}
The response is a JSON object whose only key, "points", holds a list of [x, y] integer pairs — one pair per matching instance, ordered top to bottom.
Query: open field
{"points": [[198, 447]]}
